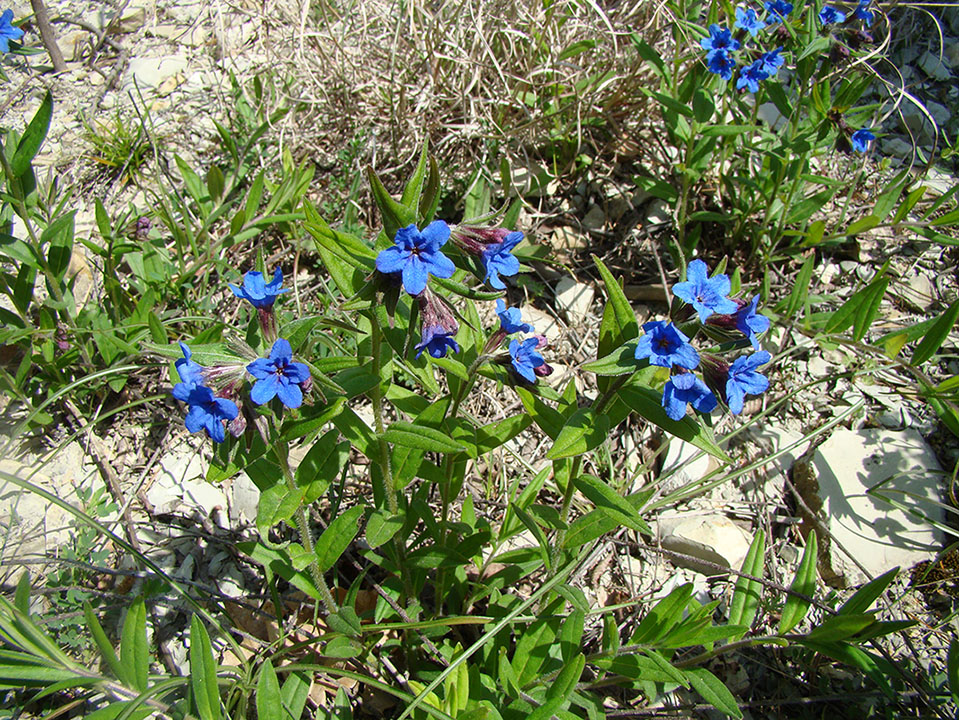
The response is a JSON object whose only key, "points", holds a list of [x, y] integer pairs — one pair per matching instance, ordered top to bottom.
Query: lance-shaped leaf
{"points": [[805, 582]]}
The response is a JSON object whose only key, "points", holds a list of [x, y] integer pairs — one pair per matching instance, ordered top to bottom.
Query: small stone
{"points": [[132, 20], [951, 54], [934, 67], [150, 72], [170, 84], [770, 115], [897, 147], [658, 212], [595, 218], [567, 238], [828, 272], [919, 291], [574, 299], [543, 323], [818, 367], [682, 464], [244, 498], [713, 538]]}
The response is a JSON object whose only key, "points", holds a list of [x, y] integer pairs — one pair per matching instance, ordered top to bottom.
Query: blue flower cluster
{"points": [[8, 31], [665, 345], [276, 376]]}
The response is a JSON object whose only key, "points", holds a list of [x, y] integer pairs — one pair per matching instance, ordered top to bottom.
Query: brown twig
{"points": [[48, 36]]}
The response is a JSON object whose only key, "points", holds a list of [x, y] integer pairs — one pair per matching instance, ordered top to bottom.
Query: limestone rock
{"points": [[933, 66], [595, 218], [574, 299], [543, 323], [878, 535], [710, 537]]}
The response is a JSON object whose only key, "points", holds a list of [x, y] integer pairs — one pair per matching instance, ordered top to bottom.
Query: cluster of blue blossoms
{"points": [[721, 45], [417, 254], [665, 345], [212, 393]]}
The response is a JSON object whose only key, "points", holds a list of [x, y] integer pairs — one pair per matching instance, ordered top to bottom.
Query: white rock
{"points": [[933, 66], [150, 72], [770, 115], [896, 147], [938, 182], [658, 212], [567, 238], [919, 291], [574, 298], [543, 323], [683, 465], [204, 496], [244, 499], [876, 534], [710, 537]]}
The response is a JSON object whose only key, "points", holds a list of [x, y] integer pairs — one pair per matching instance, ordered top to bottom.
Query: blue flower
{"points": [[778, 10], [863, 12], [830, 15], [747, 19], [8, 31], [720, 40], [771, 62], [721, 63], [749, 78], [861, 139], [417, 255], [498, 261], [256, 290], [707, 295], [511, 319], [750, 323], [436, 340], [665, 345], [525, 358], [191, 373], [278, 376], [744, 380], [683, 389], [207, 411]]}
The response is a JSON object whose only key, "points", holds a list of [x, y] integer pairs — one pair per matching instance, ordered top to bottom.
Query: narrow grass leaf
{"points": [[805, 582], [742, 608]]}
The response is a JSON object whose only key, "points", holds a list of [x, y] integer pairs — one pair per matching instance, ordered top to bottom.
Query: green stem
{"points": [[376, 340], [282, 450]]}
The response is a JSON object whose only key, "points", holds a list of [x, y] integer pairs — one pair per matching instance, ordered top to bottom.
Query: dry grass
{"points": [[480, 79]]}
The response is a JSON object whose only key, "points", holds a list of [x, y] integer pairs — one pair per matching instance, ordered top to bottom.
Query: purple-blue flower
{"points": [[778, 10], [863, 12], [830, 15], [747, 19], [8, 31], [720, 40], [771, 62], [721, 63], [751, 75], [861, 139], [416, 254], [498, 260], [257, 291], [706, 294], [511, 319], [750, 323], [436, 340], [666, 346], [525, 359], [191, 373], [278, 376], [744, 380], [683, 389], [207, 411]]}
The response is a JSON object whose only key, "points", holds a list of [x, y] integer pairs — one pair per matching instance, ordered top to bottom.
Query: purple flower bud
{"points": [[439, 326], [237, 426]]}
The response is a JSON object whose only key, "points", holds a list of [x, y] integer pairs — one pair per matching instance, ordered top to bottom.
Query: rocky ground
{"points": [[854, 427]]}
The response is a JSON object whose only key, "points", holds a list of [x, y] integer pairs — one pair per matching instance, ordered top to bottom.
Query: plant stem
{"points": [[377, 398], [282, 450]]}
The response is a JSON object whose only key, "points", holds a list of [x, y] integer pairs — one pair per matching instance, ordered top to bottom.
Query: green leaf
{"points": [[649, 54], [667, 101], [703, 105], [723, 130], [33, 137], [414, 188], [395, 215], [862, 225], [58, 237], [797, 297], [859, 310], [619, 323], [936, 335], [621, 361], [647, 403], [549, 420], [584, 430], [421, 437], [321, 465], [612, 503], [382, 526], [337, 537], [868, 593], [742, 608], [796, 608], [663, 616], [841, 627], [103, 644], [134, 653], [875, 667], [952, 669], [713, 691], [206, 696], [269, 703]]}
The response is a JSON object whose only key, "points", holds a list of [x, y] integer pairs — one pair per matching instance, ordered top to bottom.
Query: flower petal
{"points": [[436, 234], [393, 259], [438, 264], [415, 276], [281, 352], [261, 368], [265, 390], [290, 394]]}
